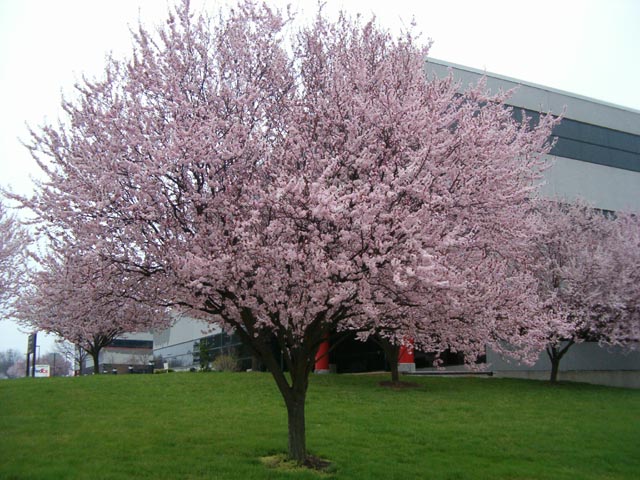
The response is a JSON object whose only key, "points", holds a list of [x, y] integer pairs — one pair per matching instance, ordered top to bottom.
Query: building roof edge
{"points": [[530, 84], [547, 99]]}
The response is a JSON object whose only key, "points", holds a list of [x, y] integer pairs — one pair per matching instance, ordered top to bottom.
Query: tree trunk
{"points": [[391, 352], [555, 354], [299, 360], [96, 362], [255, 364], [555, 365], [393, 366], [294, 393], [297, 427]]}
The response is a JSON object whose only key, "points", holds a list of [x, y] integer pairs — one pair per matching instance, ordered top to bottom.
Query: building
{"points": [[596, 157], [191, 343], [131, 352]]}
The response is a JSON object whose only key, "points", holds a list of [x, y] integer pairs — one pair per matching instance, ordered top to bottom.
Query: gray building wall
{"points": [[543, 99], [597, 155], [596, 158], [606, 187], [175, 345], [582, 356], [121, 357]]}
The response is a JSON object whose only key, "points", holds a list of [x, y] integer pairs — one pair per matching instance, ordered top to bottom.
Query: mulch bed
{"points": [[281, 462]]}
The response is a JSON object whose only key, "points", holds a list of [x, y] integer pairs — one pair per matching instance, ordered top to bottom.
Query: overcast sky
{"points": [[590, 48]]}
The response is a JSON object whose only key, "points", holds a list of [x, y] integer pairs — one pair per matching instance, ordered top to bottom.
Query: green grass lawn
{"points": [[217, 426]]}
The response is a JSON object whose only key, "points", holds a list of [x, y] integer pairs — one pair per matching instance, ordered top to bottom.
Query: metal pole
{"points": [[30, 350], [33, 365]]}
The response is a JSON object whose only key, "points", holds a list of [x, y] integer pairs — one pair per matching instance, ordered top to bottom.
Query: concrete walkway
{"points": [[455, 370]]}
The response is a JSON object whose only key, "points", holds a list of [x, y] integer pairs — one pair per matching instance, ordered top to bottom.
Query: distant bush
{"points": [[205, 356], [226, 363]]}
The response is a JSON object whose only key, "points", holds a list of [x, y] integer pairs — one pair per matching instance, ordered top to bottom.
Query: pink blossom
{"points": [[288, 187]]}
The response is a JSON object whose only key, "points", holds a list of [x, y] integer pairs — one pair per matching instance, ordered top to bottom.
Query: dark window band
{"points": [[592, 143], [122, 343]]}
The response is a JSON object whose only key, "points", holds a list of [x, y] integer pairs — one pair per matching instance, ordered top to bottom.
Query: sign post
{"points": [[31, 354]]}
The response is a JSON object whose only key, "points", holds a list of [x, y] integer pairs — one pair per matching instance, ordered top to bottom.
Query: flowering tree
{"points": [[286, 190], [13, 256], [587, 268], [87, 301], [494, 305], [623, 327], [7, 359], [18, 369]]}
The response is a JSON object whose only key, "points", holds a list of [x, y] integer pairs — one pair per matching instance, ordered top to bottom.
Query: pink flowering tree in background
{"points": [[287, 185], [14, 240], [587, 268], [87, 301], [491, 304], [623, 329], [7, 359], [18, 369]]}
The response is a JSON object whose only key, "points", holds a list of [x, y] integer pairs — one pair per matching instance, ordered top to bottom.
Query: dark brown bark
{"points": [[391, 352], [555, 354], [295, 356], [96, 361], [299, 362], [255, 364], [393, 366], [555, 366], [295, 395], [297, 427]]}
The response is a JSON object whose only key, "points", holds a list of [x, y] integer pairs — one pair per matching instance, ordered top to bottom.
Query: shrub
{"points": [[205, 356], [226, 363]]}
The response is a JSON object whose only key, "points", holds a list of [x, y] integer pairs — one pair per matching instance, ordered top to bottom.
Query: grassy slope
{"points": [[197, 426]]}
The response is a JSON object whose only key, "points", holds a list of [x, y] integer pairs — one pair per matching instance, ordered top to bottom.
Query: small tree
{"points": [[283, 190], [587, 272], [482, 299], [85, 301], [509, 326], [74, 352], [204, 355], [8, 358], [226, 362], [18, 369]]}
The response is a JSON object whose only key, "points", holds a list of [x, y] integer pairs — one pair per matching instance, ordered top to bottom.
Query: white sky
{"points": [[587, 47]]}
